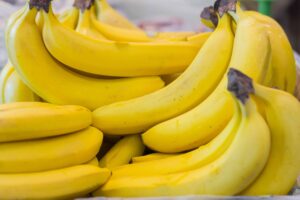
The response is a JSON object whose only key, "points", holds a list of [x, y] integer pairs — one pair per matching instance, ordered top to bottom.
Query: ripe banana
{"points": [[110, 16], [69, 18], [85, 25], [119, 34], [251, 55], [99, 57], [283, 61], [170, 78], [57, 84], [193, 86], [12, 88], [282, 114], [23, 121], [122, 152], [50, 153], [151, 157], [198, 158], [215, 178], [66, 183]]}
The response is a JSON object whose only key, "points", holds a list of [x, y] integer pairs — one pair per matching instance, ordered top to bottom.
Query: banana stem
{"points": [[40, 4], [83, 4], [240, 85]]}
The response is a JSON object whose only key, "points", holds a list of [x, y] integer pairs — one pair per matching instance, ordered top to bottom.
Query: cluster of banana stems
{"points": [[217, 128]]}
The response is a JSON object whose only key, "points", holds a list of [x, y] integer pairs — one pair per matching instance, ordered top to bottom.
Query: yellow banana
{"points": [[110, 16], [69, 18], [86, 27], [119, 34], [251, 55], [112, 58], [283, 61], [170, 78], [57, 84], [193, 86], [12, 88], [282, 114], [23, 121], [122, 152], [50, 153], [151, 157], [187, 161], [94, 162], [223, 176], [66, 183]]}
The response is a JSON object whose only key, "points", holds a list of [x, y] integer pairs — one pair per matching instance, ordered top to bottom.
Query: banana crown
{"points": [[83, 4], [240, 85]]}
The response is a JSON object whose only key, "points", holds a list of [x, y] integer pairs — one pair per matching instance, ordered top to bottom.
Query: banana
{"points": [[110, 16], [69, 18], [85, 25], [119, 34], [173, 36], [251, 55], [111, 58], [283, 60], [170, 78], [57, 84], [193, 86], [12, 89], [282, 114], [23, 121], [122, 152], [50, 153], [151, 157], [200, 157], [94, 162], [215, 178], [66, 183]]}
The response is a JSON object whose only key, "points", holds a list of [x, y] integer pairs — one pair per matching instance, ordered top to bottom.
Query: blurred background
{"points": [[170, 15]]}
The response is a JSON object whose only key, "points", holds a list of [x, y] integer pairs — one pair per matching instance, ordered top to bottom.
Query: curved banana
{"points": [[109, 15], [69, 18], [85, 25], [119, 34], [173, 36], [251, 55], [112, 58], [283, 61], [170, 78], [57, 84], [193, 86], [13, 89], [282, 114], [23, 121], [122, 152], [50, 153], [151, 157], [192, 160], [215, 178], [67, 183]]}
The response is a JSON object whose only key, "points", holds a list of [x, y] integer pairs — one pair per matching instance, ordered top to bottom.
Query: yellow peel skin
{"points": [[110, 16], [69, 18], [86, 27], [251, 55], [99, 57], [4, 75], [56, 84], [192, 87], [282, 114], [23, 121], [122, 152], [50, 153], [151, 157], [192, 160], [215, 178], [66, 183]]}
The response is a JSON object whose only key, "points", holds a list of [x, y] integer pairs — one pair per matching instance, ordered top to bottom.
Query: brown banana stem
{"points": [[40, 4], [83, 4], [225, 6], [209, 13], [240, 84]]}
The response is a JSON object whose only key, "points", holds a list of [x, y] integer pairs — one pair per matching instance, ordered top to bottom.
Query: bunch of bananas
{"points": [[216, 128], [45, 147]]}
